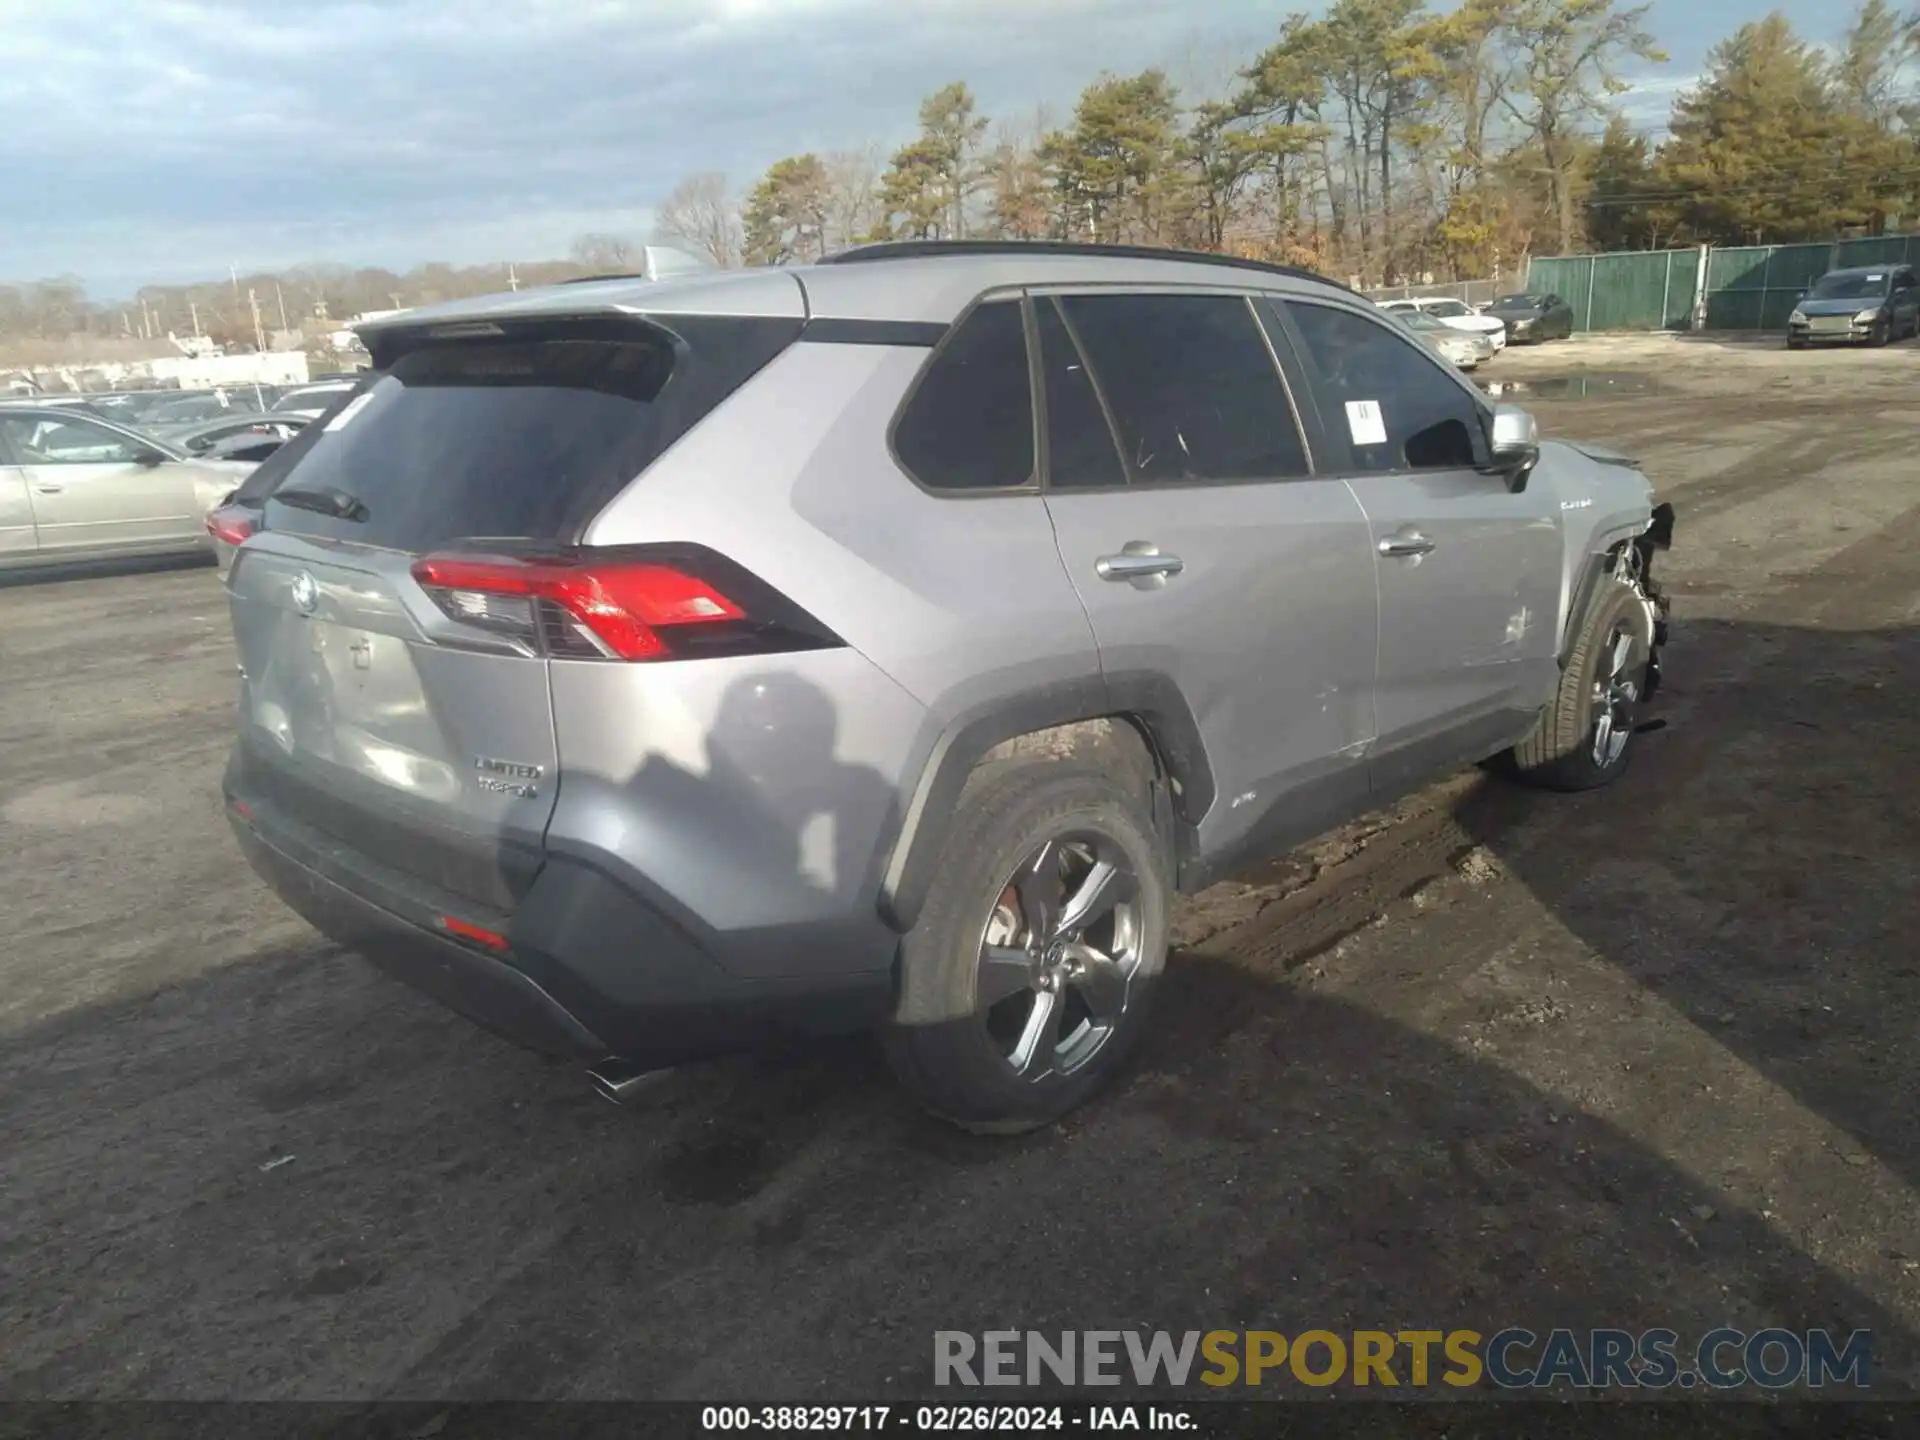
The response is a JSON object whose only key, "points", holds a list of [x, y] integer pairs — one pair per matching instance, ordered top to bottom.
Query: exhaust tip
{"points": [[617, 1080]]}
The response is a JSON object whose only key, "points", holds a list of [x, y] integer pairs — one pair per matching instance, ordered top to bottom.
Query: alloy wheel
{"points": [[1616, 691], [1060, 955]]}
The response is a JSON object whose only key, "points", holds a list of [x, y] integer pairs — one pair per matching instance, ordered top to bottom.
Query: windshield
{"points": [[1858, 285], [1519, 302]]}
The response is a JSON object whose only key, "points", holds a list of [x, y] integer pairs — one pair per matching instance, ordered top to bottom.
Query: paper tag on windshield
{"points": [[354, 407], [1367, 424]]}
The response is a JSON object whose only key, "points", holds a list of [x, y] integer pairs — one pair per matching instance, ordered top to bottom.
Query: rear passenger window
{"points": [[1381, 385], [1192, 387], [969, 425], [1080, 446]]}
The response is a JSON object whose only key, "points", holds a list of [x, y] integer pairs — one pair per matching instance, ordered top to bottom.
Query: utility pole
{"points": [[233, 274], [513, 279], [280, 296], [394, 296], [194, 311], [146, 320], [259, 335]]}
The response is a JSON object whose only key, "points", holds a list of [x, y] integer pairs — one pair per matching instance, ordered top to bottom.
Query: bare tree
{"points": [[853, 196], [701, 215], [603, 252]]}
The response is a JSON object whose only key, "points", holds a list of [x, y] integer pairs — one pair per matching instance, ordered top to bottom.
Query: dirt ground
{"points": [[1640, 1058]]}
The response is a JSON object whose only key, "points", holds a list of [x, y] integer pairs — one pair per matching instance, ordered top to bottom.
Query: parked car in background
{"points": [[1862, 305], [1454, 313], [1532, 317], [1464, 348], [313, 397], [204, 405], [204, 436], [253, 446], [74, 486], [830, 658]]}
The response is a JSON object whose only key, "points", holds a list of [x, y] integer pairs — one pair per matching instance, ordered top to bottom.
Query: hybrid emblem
{"points": [[306, 592]]}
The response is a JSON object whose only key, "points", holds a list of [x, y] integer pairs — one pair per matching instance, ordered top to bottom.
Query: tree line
{"points": [[1381, 141]]}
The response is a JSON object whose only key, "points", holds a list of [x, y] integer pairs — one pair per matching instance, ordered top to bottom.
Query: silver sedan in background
{"points": [[1463, 348], [74, 487]]}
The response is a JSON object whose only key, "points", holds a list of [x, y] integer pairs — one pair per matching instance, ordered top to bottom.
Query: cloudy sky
{"points": [[164, 139]]}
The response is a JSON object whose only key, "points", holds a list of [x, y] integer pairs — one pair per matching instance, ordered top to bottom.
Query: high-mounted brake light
{"points": [[230, 523], [624, 609]]}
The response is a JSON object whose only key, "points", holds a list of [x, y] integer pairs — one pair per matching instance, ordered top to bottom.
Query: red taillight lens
{"points": [[230, 523], [628, 608]]}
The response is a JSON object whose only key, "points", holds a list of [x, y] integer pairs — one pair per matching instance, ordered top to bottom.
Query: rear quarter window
{"points": [[968, 425], [525, 437]]}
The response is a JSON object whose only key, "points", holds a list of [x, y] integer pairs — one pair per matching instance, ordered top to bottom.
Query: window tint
{"points": [[1192, 388], [1430, 421], [969, 425], [523, 437], [40, 440], [1080, 445]]}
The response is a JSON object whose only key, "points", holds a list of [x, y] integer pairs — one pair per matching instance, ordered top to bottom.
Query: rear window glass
{"points": [[511, 438]]}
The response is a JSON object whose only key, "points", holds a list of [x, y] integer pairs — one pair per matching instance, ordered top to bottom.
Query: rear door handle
{"points": [[49, 489], [1407, 542], [1140, 564]]}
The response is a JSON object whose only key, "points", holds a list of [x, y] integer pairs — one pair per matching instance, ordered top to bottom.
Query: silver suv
{"points": [[649, 669]]}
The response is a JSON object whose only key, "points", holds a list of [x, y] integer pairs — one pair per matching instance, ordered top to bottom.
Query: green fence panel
{"points": [[1876, 250], [1795, 267], [1565, 276], [1683, 280], [1749, 287], [1629, 292]]}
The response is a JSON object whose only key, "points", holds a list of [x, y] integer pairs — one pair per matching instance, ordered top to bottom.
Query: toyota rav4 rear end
{"points": [[568, 789]]}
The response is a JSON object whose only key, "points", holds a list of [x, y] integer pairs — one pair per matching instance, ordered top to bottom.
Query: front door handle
{"points": [[49, 489], [1407, 542], [1139, 564]]}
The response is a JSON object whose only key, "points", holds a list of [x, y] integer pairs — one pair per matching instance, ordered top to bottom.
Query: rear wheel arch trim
{"points": [[1151, 702]]}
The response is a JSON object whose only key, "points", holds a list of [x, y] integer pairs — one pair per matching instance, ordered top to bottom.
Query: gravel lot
{"points": [[1644, 1057]]}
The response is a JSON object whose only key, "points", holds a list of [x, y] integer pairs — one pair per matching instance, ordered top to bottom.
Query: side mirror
{"points": [[1513, 441], [148, 459]]}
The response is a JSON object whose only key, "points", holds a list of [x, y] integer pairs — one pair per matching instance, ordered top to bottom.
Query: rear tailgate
{"points": [[360, 721], [412, 723]]}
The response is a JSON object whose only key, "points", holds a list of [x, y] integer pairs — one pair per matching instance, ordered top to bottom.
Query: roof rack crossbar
{"points": [[934, 249]]}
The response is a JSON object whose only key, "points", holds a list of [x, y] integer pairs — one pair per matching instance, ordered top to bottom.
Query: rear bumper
{"points": [[587, 968]]}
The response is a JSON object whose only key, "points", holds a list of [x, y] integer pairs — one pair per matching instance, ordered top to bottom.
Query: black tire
{"points": [[1882, 333], [1796, 344], [1566, 750], [951, 1052]]}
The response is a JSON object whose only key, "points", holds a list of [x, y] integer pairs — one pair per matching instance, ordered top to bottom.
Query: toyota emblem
{"points": [[306, 592]]}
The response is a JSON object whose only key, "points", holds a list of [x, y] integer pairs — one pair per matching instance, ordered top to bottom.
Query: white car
{"points": [[1454, 313]]}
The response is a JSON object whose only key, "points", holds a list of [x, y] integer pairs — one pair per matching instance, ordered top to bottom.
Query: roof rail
{"points": [[935, 249], [615, 275]]}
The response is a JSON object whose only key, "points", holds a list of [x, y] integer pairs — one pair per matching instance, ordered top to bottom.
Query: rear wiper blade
{"points": [[323, 500]]}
